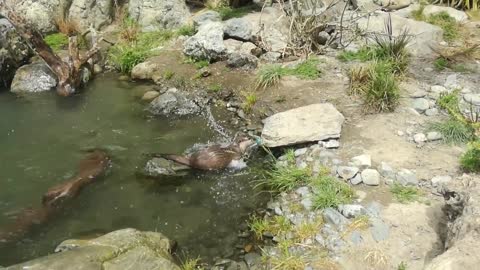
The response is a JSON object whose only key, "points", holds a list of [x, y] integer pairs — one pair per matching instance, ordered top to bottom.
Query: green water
{"points": [[41, 138]]}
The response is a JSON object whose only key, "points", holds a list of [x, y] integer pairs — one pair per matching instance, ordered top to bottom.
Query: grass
{"points": [[227, 12], [186, 30], [451, 30], [57, 41], [125, 57], [198, 63], [441, 63], [168, 74], [270, 75], [215, 88], [381, 92], [250, 100], [453, 131], [470, 161], [282, 179], [330, 192], [404, 194], [276, 226], [307, 230], [191, 264], [402, 266]]}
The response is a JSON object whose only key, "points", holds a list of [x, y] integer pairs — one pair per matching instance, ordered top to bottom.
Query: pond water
{"points": [[41, 141]]}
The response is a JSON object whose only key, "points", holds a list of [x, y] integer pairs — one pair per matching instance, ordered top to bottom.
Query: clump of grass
{"points": [[227, 12], [418, 14], [447, 23], [129, 30], [186, 30], [57, 41], [364, 54], [125, 57], [198, 63], [441, 63], [306, 70], [168, 74], [270, 75], [359, 77], [215, 88], [382, 93], [250, 100], [453, 131], [470, 161], [282, 179], [330, 192], [404, 194], [276, 226], [307, 230], [191, 264], [402, 266]]}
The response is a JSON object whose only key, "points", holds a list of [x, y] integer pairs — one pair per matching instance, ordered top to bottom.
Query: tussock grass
{"points": [[186, 30], [451, 30], [57, 41], [125, 57], [441, 63], [270, 75], [215, 88], [382, 93], [250, 101], [453, 131], [470, 161], [282, 179], [330, 192], [405, 194], [276, 225], [308, 230], [191, 264]]}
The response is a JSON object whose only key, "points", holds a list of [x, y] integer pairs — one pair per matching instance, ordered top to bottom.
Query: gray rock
{"points": [[40, 13], [95, 13], [153, 15], [458, 15], [205, 17], [273, 26], [238, 28], [323, 38], [207, 43], [232, 45], [250, 48], [13, 52], [271, 57], [242, 60], [33, 78], [451, 82], [438, 89], [418, 94], [150, 95], [473, 99], [173, 102], [420, 104], [431, 112], [310, 123], [434, 136], [419, 138], [331, 144], [301, 152], [362, 161], [161, 167], [386, 170], [346, 172], [371, 177], [406, 177], [356, 180], [441, 180], [307, 203], [352, 210], [334, 218], [380, 231], [356, 237], [320, 240], [113, 251], [252, 259], [238, 266]]}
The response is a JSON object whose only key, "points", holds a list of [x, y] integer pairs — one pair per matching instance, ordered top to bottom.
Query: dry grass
{"points": [[67, 26], [308, 230], [377, 259]]}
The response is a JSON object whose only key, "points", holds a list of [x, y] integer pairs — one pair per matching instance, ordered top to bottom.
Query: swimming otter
{"points": [[215, 157]]}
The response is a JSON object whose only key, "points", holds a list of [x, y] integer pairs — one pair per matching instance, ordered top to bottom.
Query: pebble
{"points": [[150, 95], [421, 104], [431, 112], [434, 136], [419, 138], [332, 144], [362, 161], [386, 170], [347, 173], [371, 177], [406, 177], [356, 180], [440, 180], [303, 191], [307, 203], [374, 209], [352, 210], [333, 217], [252, 259]]}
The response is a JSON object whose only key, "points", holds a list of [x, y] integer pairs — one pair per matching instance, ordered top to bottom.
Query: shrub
{"points": [[57, 41], [470, 161], [330, 192]]}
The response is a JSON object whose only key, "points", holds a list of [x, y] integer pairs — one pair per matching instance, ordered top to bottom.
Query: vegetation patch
{"points": [[227, 12], [448, 24], [186, 30], [57, 41], [198, 63], [441, 63], [168, 74], [270, 75], [215, 88], [250, 100], [453, 131], [470, 161], [286, 178], [330, 192], [405, 194], [275, 226], [191, 264]]}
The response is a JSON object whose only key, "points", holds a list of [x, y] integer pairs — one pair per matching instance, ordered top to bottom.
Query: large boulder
{"points": [[97, 13], [159, 14], [458, 15], [204, 17], [238, 28], [424, 35], [207, 43], [13, 52], [33, 78], [174, 102], [310, 123], [122, 249]]}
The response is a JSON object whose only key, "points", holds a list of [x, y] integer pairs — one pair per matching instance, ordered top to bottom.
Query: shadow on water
{"points": [[43, 137]]}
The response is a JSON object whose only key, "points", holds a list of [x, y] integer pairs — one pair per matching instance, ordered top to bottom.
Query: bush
{"points": [[57, 41], [470, 161], [330, 192]]}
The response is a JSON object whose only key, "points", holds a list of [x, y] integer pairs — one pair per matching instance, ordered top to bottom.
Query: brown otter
{"points": [[215, 157]]}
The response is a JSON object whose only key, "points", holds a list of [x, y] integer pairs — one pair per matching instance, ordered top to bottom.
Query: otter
{"points": [[215, 157]]}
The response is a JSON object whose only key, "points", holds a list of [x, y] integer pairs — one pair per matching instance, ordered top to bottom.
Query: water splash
{"points": [[216, 126]]}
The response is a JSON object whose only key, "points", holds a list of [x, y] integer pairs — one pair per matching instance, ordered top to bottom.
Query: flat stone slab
{"points": [[316, 122]]}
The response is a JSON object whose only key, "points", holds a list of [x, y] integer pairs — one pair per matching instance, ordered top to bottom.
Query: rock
{"points": [[41, 13], [86, 13], [154, 15], [458, 15], [205, 17], [238, 28], [425, 35], [323, 38], [207, 43], [232, 45], [250, 48], [13, 52], [271, 57], [241, 60], [97, 69], [147, 70], [33, 78], [451, 82], [438, 89], [418, 94], [150, 95], [473, 99], [173, 102], [420, 104], [431, 112], [310, 123], [434, 136], [419, 138], [331, 144], [301, 152], [362, 161], [161, 167], [386, 171], [347, 173], [371, 177], [406, 178], [356, 180], [440, 180], [303, 191], [307, 203], [374, 209], [352, 210], [334, 218], [379, 229], [356, 237], [113, 251], [252, 259]]}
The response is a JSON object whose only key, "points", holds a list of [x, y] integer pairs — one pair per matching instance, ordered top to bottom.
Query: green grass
{"points": [[229, 12], [418, 14], [447, 23], [186, 30], [57, 41], [364, 54], [198, 63], [441, 64], [168, 74], [270, 75], [215, 88], [382, 93], [250, 100], [449, 102], [453, 131], [470, 161], [282, 179], [330, 192], [404, 194], [276, 225], [191, 264], [402, 266]]}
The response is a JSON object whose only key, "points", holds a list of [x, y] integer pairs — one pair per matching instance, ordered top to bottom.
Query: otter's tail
{"points": [[177, 158]]}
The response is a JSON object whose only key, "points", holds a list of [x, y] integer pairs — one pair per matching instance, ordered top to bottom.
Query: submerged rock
{"points": [[153, 15], [33, 78], [174, 102], [310, 123], [161, 167], [122, 249]]}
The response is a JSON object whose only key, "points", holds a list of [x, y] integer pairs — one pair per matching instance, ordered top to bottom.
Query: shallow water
{"points": [[41, 141]]}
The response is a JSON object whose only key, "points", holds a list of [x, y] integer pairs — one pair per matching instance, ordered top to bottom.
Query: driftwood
{"points": [[69, 72], [90, 169]]}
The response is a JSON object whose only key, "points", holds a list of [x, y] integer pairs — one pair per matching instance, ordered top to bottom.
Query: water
{"points": [[41, 142]]}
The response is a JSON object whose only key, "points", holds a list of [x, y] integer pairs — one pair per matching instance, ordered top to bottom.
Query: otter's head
{"points": [[243, 141]]}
